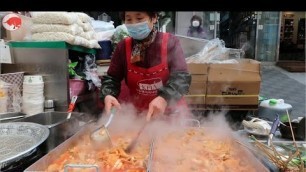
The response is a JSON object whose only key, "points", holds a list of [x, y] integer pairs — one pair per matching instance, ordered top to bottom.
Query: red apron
{"points": [[143, 83]]}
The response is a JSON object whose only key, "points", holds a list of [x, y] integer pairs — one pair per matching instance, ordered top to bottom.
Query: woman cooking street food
{"points": [[152, 64]]}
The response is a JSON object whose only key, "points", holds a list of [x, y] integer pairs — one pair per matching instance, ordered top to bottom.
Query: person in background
{"points": [[196, 29], [153, 66]]}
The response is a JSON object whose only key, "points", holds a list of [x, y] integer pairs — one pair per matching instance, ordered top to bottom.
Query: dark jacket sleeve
{"points": [[179, 79], [111, 83], [110, 86], [177, 86]]}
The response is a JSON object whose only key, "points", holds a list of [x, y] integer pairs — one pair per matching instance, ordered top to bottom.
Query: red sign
{"points": [[11, 22]]}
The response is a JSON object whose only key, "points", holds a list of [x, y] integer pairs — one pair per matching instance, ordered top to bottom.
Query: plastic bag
{"points": [[100, 26], [120, 33], [215, 52], [91, 72], [3, 97], [10, 97], [16, 100]]}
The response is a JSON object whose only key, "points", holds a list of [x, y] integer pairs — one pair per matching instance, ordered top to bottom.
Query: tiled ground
{"points": [[280, 84]]}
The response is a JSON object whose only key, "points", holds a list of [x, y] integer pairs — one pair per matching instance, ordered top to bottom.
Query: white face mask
{"points": [[195, 23]]}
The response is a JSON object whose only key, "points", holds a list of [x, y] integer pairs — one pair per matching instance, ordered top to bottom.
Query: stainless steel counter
{"points": [[7, 117], [60, 129]]}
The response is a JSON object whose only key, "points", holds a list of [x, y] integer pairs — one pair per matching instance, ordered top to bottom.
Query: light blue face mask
{"points": [[139, 31]]}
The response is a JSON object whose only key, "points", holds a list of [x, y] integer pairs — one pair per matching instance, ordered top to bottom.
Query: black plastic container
{"points": [[298, 130]]}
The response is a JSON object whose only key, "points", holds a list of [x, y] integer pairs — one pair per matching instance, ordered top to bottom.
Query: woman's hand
{"points": [[109, 102], [156, 107]]}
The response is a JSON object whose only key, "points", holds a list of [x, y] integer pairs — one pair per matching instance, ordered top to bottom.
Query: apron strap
{"points": [[164, 48], [128, 50]]}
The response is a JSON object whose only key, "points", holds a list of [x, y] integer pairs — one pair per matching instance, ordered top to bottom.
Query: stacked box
{"points": [[225, 86], [234, 86], [197, 90]]}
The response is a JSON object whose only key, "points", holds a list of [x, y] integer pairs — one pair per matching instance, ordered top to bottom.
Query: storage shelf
{"points": [[287, 29], [50, 44]]}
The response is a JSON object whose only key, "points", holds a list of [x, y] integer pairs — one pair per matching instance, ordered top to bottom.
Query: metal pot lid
{"points": [[17, 139]]}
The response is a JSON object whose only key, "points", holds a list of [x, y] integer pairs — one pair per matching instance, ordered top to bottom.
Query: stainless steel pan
{"points": [[18, 139], [43, 163]]}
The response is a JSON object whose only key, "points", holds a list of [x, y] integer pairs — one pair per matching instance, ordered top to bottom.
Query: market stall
{"points": [[62, 54]]}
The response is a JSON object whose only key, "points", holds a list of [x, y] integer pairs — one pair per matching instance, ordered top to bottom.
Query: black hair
{"points": [[151, 14], [196, 17]]}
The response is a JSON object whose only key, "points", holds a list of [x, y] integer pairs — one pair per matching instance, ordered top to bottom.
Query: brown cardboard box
{"points": [[243, 65], [197, 68], [198, 78], [198, 84], [236, 85], [227, 86], [197, 89], [195, 99]]}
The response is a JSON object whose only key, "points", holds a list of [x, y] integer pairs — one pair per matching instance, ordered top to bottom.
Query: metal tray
{"points": [[18, 139], [257, 161], [43, 163]]}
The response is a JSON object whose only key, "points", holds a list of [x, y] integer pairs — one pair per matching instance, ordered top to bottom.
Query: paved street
{"points": [[280, 84]]}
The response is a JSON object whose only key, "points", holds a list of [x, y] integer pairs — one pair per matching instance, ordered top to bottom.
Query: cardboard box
{"points": [[243, 65], [197, 68], [198, 78], [198, 84], [234, 84], [225, 86], [197, 88], [197, 92], [195, 99]]}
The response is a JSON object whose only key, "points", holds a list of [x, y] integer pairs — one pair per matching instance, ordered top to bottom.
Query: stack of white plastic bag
{"points": [[72, 27], [104, 30], [216, 52], [33, 95], [10, 97]]}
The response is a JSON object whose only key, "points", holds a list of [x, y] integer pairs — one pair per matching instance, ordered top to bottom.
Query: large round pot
{"points": [[18, 139]]}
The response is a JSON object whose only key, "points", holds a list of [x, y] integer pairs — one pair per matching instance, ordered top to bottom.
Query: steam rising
{"points": [[127, 120], [215, 125]]}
